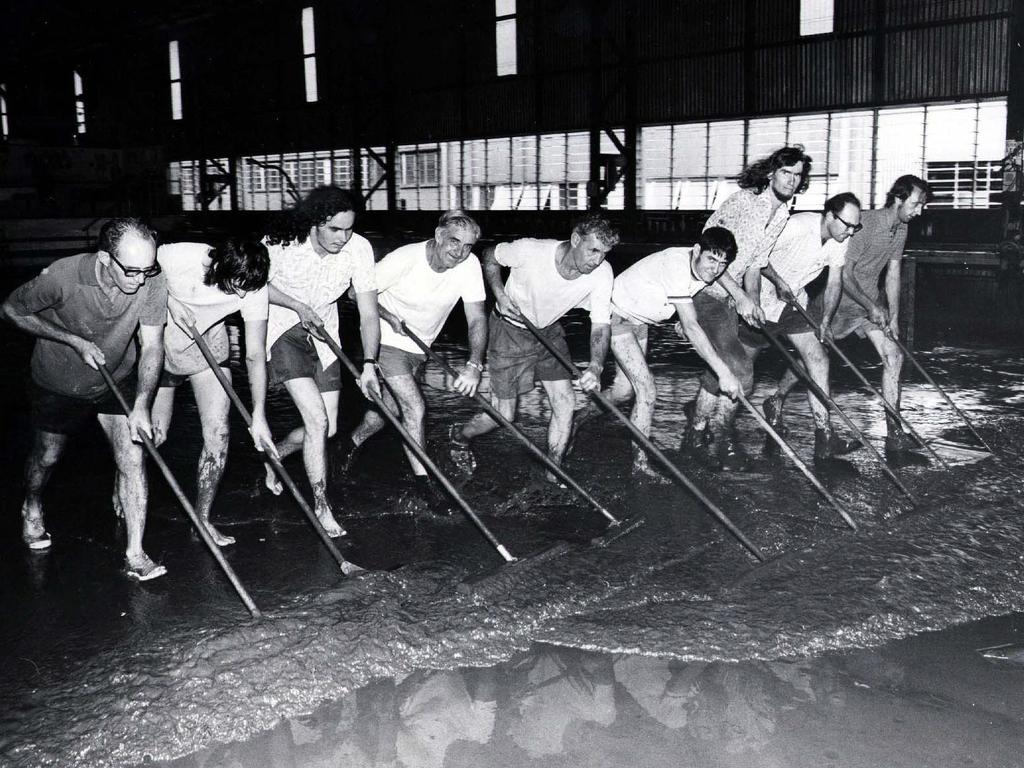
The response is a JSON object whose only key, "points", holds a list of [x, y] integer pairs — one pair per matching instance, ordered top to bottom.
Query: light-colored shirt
{"points": [[756, 227], [869, 251], [798, 257], [185, 266], [319, 281], [409, 288], [648, 291], [542, 294]]}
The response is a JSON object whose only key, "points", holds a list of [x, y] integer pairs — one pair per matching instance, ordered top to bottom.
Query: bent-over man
{"points": [[810, 243], [547, 279], [206, 284], [420, 284], [654, 289], [86, 311]]}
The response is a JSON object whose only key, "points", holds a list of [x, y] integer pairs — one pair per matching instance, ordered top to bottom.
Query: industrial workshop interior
{"points": [[512, 383]]}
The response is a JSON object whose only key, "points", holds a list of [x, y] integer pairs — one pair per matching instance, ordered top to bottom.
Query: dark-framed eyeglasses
{"points": [[855, 227], [152, 271]]}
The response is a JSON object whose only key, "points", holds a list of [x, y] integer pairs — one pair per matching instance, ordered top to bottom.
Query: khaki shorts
{"points": [[516, 359], [393, 362]]}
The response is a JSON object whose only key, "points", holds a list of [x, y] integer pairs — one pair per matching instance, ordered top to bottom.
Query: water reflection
{"points": [[548, 705]]}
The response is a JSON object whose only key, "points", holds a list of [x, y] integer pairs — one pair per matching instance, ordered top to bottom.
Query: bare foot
{"points": [[642, 471], [554, 480], [271, 481], [331, 526], [33, 533], [220, 539], [348, 568]]}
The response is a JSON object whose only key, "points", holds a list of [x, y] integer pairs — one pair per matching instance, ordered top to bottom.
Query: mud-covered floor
{"points": [[672, 642]]}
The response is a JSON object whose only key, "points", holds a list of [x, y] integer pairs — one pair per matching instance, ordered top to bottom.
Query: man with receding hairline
{"points": [[547, 279], [419, 285], [86, 311]]}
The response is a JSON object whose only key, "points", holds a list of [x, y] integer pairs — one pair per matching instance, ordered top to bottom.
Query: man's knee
{"points": [[893, 359], [317, 423], [215, 437], [47, 453]]}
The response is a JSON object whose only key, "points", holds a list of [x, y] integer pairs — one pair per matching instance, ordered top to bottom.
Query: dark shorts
{"points": [[849, 318], [790, 321], [721, 324], [293, 356], [516, 359], [393, 361], [63, 415]]}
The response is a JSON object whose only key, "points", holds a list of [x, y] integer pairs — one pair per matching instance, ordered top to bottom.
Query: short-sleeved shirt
{"points": [[756, 227], [869, 251], [798, 257], [185, 265], [319, 281], [409, 288], [648, 291], [68, 294], [542, 294]]}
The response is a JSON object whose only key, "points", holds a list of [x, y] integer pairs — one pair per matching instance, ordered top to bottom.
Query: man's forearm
{"points": [[492, 274], [892, 289], [833, 291], [282, 299], [44, 329], [600, 335], [477, 339], [151, 365]]}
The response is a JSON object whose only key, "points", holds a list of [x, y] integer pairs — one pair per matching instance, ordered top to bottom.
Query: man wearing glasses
{"points": [[810, 243], [87, 311], [862, 311]]}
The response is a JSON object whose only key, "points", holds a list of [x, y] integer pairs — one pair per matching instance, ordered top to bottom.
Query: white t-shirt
{"points": [[799, 256], [185, 265], [319, 281], [648, 291], [542, 294], [423, 298]]}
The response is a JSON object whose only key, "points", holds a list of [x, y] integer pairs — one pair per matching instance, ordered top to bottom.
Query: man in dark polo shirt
{"points": [[87, 311]]}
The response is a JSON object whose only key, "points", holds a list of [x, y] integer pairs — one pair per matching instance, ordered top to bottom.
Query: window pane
{"points": [[504, 7], [816, 17], [308, 34], [505, 47], [172, 50], [310, 67], [78, 85], [176, 101], [900, 147], [849, 155]]}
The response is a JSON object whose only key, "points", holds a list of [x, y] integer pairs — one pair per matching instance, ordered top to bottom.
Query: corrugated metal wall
{"points": [[694, 60]]}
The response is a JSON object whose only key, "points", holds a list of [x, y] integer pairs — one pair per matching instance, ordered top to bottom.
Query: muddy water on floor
{"points": [[102, 672]]}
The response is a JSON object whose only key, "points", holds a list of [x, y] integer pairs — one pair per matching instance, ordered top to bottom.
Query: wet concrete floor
{"points": [[670, 647]]}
